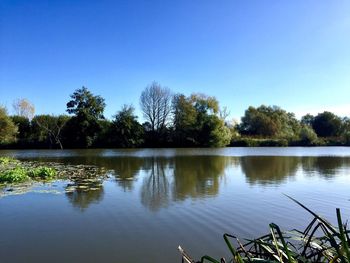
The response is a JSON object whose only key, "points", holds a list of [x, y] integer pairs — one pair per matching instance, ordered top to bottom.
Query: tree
{"points": [[155, 102], [24, 108], [88, 110], [184, 117], [307, 119], [269, 121], [196, 122], [327, 124], [48, 128], [210, 128], [8, 129], [24, 129], [126, 131], [219, 134], [307, 135]]}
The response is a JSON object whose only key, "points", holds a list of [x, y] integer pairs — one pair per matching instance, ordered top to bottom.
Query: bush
{"points": [[307, 136], [245, 142], [254, 142], [274, 143]]}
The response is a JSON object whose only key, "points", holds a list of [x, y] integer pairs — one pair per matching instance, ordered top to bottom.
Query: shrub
{"points": [[307, 136], [245, 142], [254, 142], [274, 142]]}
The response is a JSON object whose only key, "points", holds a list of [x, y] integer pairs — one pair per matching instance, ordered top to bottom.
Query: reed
{"points": [[320, 241]]}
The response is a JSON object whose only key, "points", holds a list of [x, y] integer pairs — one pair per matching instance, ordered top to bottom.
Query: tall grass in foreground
{"points": [[319, 242]]}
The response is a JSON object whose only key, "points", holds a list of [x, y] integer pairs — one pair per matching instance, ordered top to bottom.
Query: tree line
{"points": [[171, 120]]}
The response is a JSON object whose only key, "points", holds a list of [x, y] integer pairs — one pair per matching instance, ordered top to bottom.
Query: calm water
{"points": [[155, 200]]}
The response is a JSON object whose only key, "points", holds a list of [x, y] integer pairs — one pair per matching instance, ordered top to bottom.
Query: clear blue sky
{"points": [[295, 54]]}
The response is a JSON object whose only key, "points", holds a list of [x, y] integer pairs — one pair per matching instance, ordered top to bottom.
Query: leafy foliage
{"points": [[171, 121], [267, 121], [196, 122], [327, 124], [84, 126], [24, 127], [8, 129], [126, 131], [307, 136], [12, 171], [42, 172], [14, 175]]}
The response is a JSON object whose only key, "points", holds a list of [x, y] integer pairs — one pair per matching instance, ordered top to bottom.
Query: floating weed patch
{"points": [[7, 160], [14, 171], [42, 172], [14, 175], [319, 242]]}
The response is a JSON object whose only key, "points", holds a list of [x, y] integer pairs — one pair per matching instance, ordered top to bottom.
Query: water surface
{"points": [[156, 199]]}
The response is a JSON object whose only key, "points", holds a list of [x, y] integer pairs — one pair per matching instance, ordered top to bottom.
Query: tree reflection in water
{"points": [[324, 166], [125, 170], [264, 170], [198, 176], [179, 178], [166, 179], [155, 187], [82, 192]]}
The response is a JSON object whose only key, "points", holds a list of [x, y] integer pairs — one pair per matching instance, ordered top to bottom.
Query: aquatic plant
{"points": [[7, 160], [14, 171], [42, 172], [14, 175], [320, 241]]}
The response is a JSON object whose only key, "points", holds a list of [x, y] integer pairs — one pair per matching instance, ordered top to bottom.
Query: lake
{"points": [[156, 199]]}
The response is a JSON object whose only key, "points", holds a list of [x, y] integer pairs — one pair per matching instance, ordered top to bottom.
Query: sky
{"points": [[294, 54]]}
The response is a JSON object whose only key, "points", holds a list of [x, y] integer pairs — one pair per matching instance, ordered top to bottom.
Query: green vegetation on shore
{"points": [[171, 120], [14, 171]]}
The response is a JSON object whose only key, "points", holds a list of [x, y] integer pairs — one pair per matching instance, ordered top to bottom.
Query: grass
{"points": [[14, 171], [320, 241]]}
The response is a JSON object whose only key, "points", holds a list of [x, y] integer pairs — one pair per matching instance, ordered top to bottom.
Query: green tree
{"points": [[184, 119], [307, 119], [196, 121], [269, 121], [327, 124], [83, 127], [8, 129], [24, 129], [126, 131], [219, 134], [307, 135]]}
